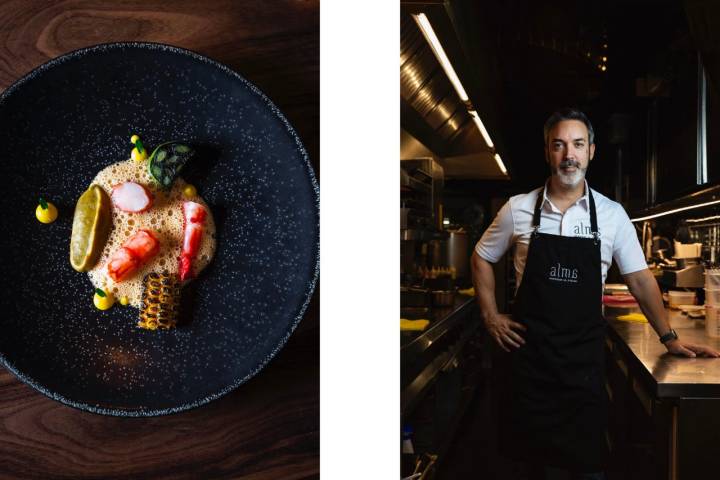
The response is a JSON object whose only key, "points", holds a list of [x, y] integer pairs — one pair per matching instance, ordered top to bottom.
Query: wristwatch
{"points": [[671, 335]]}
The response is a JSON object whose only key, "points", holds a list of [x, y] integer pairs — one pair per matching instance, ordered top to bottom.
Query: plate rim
{"points": [[143, 412]]}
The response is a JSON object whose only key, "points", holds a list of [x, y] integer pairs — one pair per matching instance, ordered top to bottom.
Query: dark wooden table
{"points": [[267, 428]]}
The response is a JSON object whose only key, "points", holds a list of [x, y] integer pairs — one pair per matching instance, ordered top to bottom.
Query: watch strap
{"points": [[671, 335]]}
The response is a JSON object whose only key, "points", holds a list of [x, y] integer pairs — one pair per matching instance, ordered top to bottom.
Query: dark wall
{"points": [[652, 75]]}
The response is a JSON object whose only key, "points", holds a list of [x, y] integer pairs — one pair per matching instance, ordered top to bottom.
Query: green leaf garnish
{"points": [[139, 146], [167, 160], [43, 203], [100, 292]]}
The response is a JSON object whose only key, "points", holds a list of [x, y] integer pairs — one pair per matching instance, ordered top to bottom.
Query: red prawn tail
{"points": [[185, 268]]}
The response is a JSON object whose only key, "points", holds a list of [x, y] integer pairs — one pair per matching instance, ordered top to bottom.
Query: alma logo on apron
{"points": [[559, 273]]}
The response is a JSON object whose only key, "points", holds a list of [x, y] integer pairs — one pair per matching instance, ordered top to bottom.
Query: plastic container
{"points": [[712, 279], [676, 297], [712, 297], [712, 322]]}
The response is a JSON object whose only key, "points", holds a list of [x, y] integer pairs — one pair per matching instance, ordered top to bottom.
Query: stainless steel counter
{"points": [[666, 375]]}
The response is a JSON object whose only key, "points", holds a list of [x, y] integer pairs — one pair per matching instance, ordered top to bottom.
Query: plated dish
{"points": [[233, 238]]}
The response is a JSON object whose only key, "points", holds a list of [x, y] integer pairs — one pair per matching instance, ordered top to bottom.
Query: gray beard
{"points": [[570, 180]]}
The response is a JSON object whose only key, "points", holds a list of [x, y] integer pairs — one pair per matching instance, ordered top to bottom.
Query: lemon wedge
{"points": [[91, 227]]}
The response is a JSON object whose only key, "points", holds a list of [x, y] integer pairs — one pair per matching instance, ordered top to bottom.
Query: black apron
{"points": [[554, 407]]}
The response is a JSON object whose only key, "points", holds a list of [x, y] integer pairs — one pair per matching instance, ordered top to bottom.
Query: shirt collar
{"points": [[584, 200]]}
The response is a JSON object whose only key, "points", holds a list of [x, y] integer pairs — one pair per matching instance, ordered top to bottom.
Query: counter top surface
{"points": [[437, 316], [671, 375]]}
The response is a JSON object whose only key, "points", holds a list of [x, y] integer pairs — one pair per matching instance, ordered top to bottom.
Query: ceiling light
{"points": [[437, 49], [604, 59], [603, 68], [480, 125], [500, 164], [676, 210], [706, 219]]}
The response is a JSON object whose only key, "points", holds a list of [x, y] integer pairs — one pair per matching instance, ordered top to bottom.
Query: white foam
{"points": [[164, 218]]}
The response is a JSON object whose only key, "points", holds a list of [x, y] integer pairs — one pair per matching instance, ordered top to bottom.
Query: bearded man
{"points": [[566, 235]]}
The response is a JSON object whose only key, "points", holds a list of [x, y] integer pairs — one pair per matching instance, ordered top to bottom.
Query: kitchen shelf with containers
{"points": [[681, 242]]}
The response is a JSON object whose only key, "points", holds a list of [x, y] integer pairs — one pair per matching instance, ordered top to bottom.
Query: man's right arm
{"points": [[500, 326]]}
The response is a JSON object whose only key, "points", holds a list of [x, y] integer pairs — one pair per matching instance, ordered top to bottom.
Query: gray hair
{"points": [[568, 114]]}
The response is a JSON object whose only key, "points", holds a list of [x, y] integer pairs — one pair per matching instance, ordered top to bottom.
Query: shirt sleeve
{"points": [[499, 235], [627, 251]]}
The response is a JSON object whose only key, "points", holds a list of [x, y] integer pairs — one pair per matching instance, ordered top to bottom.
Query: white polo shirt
{"points": [[513, 225]]}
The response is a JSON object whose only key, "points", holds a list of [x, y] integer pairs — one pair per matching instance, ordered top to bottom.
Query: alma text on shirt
{"points": [[582, 229]]}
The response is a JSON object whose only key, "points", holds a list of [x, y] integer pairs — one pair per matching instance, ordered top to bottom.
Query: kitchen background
{"points": [[647, 74]]}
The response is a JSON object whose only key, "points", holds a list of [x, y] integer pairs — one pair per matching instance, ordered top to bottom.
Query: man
{"points": [[554, 408]]}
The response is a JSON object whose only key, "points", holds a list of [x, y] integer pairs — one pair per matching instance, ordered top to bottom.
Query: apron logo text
{"points": [[559, 273]]}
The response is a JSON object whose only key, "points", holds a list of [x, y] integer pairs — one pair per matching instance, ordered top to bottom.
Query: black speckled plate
{"points": [[73, 116]]}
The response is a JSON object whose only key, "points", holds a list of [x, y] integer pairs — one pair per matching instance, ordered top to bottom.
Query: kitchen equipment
{"points": [[424, 182], [404, 217], [660, 243], [687, 250], [435, 252], [710, 254], [458, 255], [408, 258], [662, 258], [685, 262], [687, 274], [712, 279], [442, 283], [615, 289], [414, 297], [712, 297], [443, 298], [676, 298], [619, 299], [619, 303], [686, 309], [712, 320]]}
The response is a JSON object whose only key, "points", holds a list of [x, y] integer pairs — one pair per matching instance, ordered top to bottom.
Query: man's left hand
{"points": [[676, 347]]}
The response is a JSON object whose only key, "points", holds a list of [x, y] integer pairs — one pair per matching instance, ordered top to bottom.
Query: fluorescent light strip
{"points": [[427, 30], [437, 49], [478, 122], [500, 164], [662, 214], [697, 220]]}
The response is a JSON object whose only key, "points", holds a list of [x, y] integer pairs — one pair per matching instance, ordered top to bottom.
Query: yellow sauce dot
{"points": [[134, 139], [137, 156], [189, 191], [46, 215], [124, 300], [103, 303]]}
